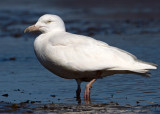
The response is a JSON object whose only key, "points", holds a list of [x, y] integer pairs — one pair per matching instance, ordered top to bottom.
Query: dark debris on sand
{"points": [[35, 107]]}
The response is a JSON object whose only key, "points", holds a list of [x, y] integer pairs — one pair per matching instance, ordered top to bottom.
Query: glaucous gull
{"points": [[79, 57]]}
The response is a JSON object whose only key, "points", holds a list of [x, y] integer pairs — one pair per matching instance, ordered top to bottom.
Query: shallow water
{"points": [[22, 77]]}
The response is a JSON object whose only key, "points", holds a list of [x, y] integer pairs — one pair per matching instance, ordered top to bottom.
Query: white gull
{"points": [[79, 57]]}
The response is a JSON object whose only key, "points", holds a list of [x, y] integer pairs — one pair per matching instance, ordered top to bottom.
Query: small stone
{"points": [[12, 58], [5, 95], [53, 95], [32, 102], [137, 102], [14, 106], [29, 111]]}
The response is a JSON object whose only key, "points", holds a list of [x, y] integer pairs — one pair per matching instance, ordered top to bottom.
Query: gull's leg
{"points": [[89, 86], [87, 90], [78, 91]]}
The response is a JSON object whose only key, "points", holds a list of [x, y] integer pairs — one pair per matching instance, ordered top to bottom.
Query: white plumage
{"points": [[80, 57]]}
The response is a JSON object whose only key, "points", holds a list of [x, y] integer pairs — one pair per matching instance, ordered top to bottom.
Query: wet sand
{"points": [[112, 108]]}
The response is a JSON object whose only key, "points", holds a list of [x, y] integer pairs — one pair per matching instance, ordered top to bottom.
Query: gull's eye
{"points": [[49, 21]]}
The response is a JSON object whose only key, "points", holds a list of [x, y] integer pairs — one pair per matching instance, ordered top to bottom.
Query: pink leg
{"points": [[89, 86], [87, 90]]}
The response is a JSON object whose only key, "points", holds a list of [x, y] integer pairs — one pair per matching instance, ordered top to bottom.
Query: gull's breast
{"points": [[52, 58]]}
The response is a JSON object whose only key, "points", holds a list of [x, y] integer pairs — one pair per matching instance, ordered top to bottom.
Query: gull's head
{"points": [[47, 23]]}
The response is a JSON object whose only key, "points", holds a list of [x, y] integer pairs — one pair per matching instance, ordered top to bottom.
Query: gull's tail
{"points": [[139, 67], [143, 68]]}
